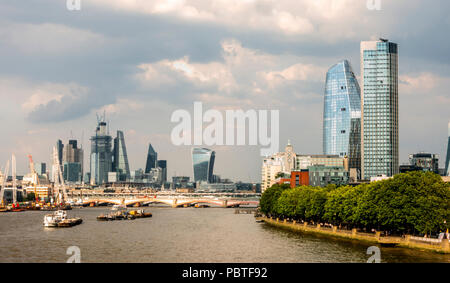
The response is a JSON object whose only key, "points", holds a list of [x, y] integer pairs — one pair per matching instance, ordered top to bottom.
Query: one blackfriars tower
{"points": [[379, 104], [342, 114]]}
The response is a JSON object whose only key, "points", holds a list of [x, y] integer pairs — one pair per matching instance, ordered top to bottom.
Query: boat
{"points": [[119, 207], [140, 213], [124, 215], [102, 217], [59, 219]]}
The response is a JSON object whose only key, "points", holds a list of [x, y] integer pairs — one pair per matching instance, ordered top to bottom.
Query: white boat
{"points": [[52, 220]]}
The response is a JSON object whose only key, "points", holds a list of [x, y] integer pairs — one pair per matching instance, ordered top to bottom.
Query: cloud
{"points": [[301, 17], [49, 38], [243, 74]]}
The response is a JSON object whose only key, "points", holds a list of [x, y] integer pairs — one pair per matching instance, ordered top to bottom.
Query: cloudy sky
{"points": [[140, 60]]}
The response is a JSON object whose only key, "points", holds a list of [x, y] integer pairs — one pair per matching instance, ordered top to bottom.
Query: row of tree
{"points": [[409, 203]]}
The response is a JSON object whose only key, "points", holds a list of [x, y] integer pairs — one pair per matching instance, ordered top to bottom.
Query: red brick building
{"points": [[299, 178]]}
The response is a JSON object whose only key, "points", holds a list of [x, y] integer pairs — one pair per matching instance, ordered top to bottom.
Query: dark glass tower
{"points": [[342, 114], [101, 155], [152, 156], [120, 157], [203, 164]]}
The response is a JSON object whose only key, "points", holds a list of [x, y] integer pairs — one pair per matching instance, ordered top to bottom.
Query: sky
{"points": [[140, 60]]}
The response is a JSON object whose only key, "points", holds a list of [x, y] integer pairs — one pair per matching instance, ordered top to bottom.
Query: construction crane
{"points": [[13, 168], [5, 177], [35, 177], [59, 180]]}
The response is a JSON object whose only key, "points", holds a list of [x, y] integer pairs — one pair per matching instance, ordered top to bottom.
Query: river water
{"points": [[179, 235]]}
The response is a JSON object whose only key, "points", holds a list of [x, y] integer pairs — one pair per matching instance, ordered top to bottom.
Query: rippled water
{"points": [[179, 235]]}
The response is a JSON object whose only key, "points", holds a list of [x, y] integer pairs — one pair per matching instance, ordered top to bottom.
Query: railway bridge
{"points": [[173, 202]]}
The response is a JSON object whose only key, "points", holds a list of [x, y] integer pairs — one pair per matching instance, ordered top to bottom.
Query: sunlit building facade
{"points": [[379, 104], [342, 114], [101, 155]]}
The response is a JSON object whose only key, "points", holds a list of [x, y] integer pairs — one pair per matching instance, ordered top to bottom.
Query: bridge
{"points": [[173, 202]]}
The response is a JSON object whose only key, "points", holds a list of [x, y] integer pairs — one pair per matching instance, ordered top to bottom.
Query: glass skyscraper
{"points": [[379, 100], [342, 114], [101, 155], [152, 157], [120, 161], [203, 164]]}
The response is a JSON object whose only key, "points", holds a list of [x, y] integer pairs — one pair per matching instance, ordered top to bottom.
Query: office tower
{"points": [[379, 102], [342, 114], [101, 155], [152, 156], [447, 161], [72, 162], [120, 162], [203, 164], [163, 165], [41, 168]]}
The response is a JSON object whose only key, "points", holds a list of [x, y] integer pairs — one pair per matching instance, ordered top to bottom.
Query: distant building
{"points": [[379, 104], [342, 114], [59, 150], [101, 155], [152, 156], [120, 158], [305, 161], [426, 161], [447, 161], [72, 162], [281, 162], [203, 164], [163, 165], [41, 168], [409, 168], [72, 172], [137, 176], [322, 176], [113, 177], [299, 178], [180, 182], [220, 187]]}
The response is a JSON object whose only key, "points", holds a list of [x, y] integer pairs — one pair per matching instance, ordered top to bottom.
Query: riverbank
{"points": [[407, 242]]}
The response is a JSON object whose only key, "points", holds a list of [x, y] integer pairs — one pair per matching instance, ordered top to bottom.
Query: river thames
{"points": [[179, 235]]}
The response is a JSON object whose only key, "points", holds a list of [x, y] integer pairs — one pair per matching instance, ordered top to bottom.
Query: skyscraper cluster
{"points": [[371, 113], [360, 125]]}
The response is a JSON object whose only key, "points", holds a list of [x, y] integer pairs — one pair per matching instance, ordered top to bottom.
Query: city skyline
{"points": [[243, 66]]}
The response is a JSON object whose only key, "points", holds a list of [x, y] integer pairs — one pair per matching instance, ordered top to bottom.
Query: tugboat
{"points": [[140, 213], [59, 219]]}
